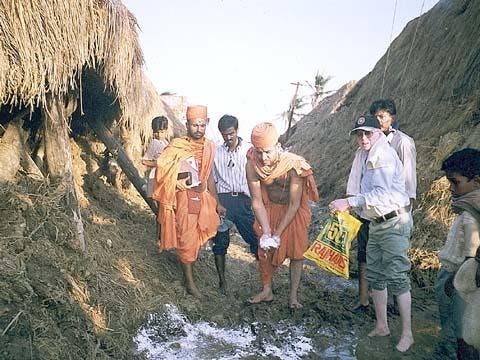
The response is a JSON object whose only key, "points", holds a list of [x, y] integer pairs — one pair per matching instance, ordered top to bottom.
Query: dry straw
{"points": [[45, 45]]}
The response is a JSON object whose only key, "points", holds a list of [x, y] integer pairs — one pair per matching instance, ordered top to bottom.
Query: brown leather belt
{"points": [[391, 215]]}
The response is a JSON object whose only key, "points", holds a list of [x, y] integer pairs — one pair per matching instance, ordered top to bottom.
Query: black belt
{"points": [[234, 193], [391, 215]]}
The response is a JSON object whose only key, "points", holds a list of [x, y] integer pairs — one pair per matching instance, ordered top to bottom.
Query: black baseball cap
{"points": [[367, 123]]}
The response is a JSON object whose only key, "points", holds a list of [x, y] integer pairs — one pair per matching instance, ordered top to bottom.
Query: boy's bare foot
{"points": [[379, 332], [405, 343]]}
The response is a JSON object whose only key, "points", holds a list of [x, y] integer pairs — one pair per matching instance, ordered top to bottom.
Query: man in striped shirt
{"points": [[233, 193]]}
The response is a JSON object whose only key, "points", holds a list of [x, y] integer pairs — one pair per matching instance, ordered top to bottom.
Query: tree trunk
{"points": [[291, 112], [10, 148], [116, 149], [13, 152], [58, 155]]}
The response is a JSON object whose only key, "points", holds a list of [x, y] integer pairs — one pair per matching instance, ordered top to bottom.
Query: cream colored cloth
{"points": [[405, 148], [353, 185], [463, 238], [462, 241], [467, 288]]}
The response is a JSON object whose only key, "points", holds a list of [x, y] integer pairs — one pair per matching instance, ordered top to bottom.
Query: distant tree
{"points": [[318, 88], [296, 104]]}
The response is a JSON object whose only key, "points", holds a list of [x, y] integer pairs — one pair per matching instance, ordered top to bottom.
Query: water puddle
{"points": [[169, 335]]}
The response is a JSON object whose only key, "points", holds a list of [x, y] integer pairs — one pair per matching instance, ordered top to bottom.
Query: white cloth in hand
{"points": [[276, 238], [268, 242]]}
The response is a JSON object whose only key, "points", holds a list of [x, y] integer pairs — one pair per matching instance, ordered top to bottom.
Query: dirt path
{"points": [[106, 295], [334, 332]]}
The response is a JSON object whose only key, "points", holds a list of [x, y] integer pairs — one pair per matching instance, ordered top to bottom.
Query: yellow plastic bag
{"points": [[331, 248]]}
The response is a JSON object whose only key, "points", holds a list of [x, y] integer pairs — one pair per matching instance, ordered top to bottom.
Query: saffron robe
{"points": [[184, 226], [294, 239]]}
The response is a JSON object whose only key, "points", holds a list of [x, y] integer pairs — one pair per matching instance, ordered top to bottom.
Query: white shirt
{"points": [[405, 148], [154, 150], [229, 168], [382, 183], [463, 239]]}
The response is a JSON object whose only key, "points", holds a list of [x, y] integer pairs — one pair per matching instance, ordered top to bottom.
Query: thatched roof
{"points": [[46, 44]]}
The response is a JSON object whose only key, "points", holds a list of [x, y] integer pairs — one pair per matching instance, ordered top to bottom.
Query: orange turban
{"points": [[196, 112], [264, 135]]}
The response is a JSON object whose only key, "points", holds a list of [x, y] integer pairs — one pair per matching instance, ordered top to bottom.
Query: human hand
{"points": [[182, 185], [339, 205], [221, 211], [276, 238], [266, 241], [449, 289]]}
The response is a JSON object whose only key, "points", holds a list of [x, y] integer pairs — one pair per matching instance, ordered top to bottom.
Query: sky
{"points": [[240, 57]]}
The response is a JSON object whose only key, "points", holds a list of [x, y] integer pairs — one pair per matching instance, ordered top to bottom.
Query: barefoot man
{"points": [[281, 184], [377, 184], [187, 205]]}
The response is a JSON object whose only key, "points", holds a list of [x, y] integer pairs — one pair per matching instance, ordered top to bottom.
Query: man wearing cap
{"points": [[386, 113], [281, 184], [377, 185], [233, 193], [187, 211]]}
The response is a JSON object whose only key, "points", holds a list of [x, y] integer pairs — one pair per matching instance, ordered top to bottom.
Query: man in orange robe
{"points": [[281, 184], [187, 212]]}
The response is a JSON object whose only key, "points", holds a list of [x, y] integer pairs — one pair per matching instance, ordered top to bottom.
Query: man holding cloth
{"points": [[280, 185], [187, 204]]}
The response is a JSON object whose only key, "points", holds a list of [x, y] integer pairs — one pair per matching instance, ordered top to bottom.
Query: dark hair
{"points": [[387, 105], [226, 122], [159, 123], [466, 162]]}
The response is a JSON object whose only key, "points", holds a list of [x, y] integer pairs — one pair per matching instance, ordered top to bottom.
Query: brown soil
{"points": [[57, 304]]}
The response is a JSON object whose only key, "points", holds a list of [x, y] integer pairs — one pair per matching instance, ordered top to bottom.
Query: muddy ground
{"points": [[56, 303]]}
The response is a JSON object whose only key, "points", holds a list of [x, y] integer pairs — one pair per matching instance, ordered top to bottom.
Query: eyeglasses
{"points": [[360, 134], [230, 164]]}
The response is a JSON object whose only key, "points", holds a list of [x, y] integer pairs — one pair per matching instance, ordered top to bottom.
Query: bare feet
{"points": [[193, 290], [265, 295], [294, 304], [384, 331], [405, 343]]}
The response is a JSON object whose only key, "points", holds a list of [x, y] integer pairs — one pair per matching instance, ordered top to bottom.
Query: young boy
{"points": [[155, 148], [462, 169]]}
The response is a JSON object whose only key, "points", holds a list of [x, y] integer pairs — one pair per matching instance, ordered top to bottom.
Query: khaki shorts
{"points": [[387, 259]]}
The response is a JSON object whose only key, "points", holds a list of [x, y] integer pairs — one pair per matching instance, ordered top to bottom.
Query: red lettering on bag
{"points": [[329, 255]]}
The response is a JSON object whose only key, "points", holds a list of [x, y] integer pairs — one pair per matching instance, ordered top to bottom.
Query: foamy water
{"points": [[170, 335]]}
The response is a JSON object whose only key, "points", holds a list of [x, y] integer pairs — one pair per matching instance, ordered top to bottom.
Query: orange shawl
{"points": [[287, 162], [168, 165], [294, 239]]}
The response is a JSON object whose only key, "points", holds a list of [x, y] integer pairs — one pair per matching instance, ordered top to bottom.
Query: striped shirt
{"points": [[229, 168]]}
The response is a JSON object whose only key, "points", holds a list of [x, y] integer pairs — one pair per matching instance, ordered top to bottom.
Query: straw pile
{"points": [[433, 74], [57, 304]]}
